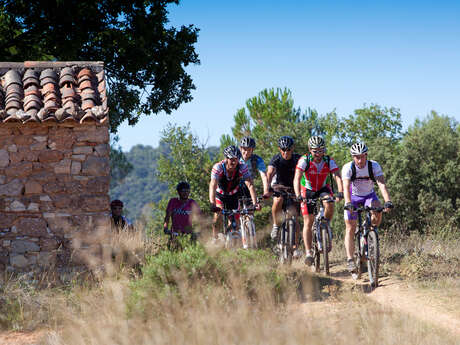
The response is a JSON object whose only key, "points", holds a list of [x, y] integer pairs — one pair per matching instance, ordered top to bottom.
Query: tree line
{"points": [[421, 164]]}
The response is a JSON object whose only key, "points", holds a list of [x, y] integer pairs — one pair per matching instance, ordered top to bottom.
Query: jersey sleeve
{"points": [[274, 161], [302, 163], [261, 165], [333, 167], [377, 169], [216, 171], [346, 171], [244, 172], [170, 206]]}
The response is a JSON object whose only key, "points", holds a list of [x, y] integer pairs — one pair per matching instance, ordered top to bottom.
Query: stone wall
{"points": [[54, 185]]}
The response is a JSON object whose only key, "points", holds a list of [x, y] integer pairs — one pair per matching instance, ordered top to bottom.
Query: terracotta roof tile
{"points": [[39, 91]]}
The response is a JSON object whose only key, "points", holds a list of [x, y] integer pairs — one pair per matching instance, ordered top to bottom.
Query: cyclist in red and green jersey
{"points": [[310, 182]]}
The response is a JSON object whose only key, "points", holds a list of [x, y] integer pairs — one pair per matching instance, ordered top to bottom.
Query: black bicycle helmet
{"points": [[248, 142], [285, 142], [316, 142], [358, 149], [232, 152], [182, 185]]}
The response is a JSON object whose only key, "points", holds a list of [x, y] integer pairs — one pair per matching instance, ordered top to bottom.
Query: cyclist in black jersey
{"points": [[281, 171]]}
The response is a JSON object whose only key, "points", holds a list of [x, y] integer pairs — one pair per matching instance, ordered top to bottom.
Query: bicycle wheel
{"points": [[245, 233], [252, 234], [291, 239], [325, 243], [315, 247], [373, 254], [358, 255]]}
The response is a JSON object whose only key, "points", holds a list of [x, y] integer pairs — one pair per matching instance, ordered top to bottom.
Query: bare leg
{"points": [[350, 226]]}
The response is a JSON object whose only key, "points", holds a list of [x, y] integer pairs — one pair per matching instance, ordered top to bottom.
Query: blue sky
{"points": [[330, 54]]}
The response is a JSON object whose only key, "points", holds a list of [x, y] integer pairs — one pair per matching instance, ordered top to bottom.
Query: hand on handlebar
{"points": [[339, 196], [388, 206], [257, 207], [349, 207], [214, 208]]}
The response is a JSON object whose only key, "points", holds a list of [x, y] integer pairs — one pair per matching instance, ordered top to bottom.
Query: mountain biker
{"points": [[254, 163], [281, 171], [358, 177], [310, 182], [225, 183], [181, 211], [118, 221]]}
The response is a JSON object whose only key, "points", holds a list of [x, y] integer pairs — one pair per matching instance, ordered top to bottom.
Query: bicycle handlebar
{"points": [[369, 208]]}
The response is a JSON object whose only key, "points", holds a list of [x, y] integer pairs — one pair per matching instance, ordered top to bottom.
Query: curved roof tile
{"points": [[39, 91]]}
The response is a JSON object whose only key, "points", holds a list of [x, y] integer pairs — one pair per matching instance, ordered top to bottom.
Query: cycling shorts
{"points": [[310, 194], [357, 201], [228, 202]]}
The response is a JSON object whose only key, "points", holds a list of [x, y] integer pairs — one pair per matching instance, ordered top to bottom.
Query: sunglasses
{"points": [[286, 150], [317, 151]]}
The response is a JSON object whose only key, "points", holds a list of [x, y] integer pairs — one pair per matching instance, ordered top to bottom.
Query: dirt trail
{"points": [[396, 294], [22, 338]]}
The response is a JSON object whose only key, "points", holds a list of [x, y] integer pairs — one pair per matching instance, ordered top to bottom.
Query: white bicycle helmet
{"points": [[248, 142], [316, 142], [358, 149], [232, 152]]}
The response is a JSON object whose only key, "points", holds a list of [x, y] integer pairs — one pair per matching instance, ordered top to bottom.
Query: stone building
{"points": [[54, 160]]}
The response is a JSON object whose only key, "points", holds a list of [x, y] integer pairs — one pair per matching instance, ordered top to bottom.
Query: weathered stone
{"points": [[33, 129], [5, 132], [99, 135], [40, 138], [23, 140], [62, 143], [41, 145], [12, 148], [102, 149], [86, 150], [31, 156], [50, 156], [16, 157], [4, 158], [80, 158], [96, 166], [63, 167], [75, 168], [21, 169], [82, 178], [2, 179], [99, 185], [33, 187], [53, 187], [12, 188], [45, 198], [62, 200], [94, 203], [17, 206], [33, 207], [60, 224], [35, 227], [6, 243], [47, 244], [21, 247], [32, 258], [46, 259], [19, 261]]}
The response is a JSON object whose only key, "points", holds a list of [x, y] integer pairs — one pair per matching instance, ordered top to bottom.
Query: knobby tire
{"points": [[325, 244], [373, 258]]}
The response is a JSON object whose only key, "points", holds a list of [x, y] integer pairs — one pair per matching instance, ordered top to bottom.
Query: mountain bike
{"points": [[248, 228], [230, 229], [322, 234], [286, 237], [174, 244], [367, 245]]}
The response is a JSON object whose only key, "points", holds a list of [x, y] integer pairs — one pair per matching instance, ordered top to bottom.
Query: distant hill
{"points": [[141, 186]]}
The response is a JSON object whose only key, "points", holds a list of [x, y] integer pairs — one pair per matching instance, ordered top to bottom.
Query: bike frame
{"points": [[288, 228], [248, 229], [230, 231], [363, 232]]}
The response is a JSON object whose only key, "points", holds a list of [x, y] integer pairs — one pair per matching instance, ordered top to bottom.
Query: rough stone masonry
{"points": [[54, 179]]}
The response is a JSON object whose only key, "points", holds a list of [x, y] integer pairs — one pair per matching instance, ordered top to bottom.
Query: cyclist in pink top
{"points": [[181, 210]]}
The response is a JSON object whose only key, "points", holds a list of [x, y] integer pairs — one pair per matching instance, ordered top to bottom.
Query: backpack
{"points": [[327, 159], [370, 168]]}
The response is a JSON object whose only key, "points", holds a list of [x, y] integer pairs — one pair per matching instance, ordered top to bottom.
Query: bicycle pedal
{"points": [[354, 275]]}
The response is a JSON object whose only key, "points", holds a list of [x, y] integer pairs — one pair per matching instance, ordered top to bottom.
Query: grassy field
{"points": [[143, 294]]}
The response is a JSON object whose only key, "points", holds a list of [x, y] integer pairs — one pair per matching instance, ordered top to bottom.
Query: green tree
{"points": [[144, 57], [188, 160], [120, 167], [425, 176]]}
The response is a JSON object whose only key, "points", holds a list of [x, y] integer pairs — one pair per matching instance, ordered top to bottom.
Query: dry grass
{"points": [[198, 297]]}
